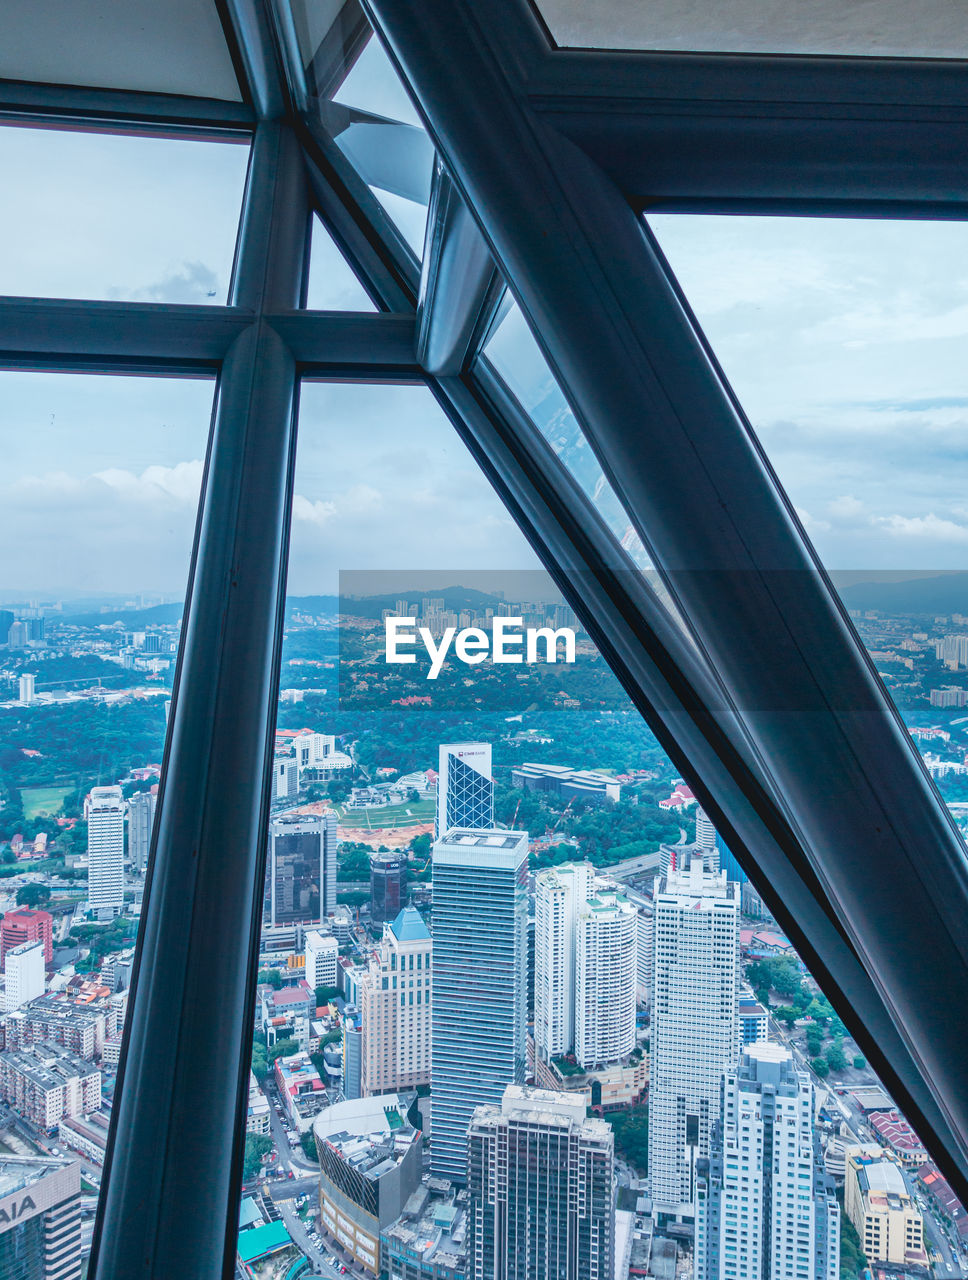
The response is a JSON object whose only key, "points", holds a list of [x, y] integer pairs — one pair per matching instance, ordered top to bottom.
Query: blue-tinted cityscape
{"points": [[520, 1012]]}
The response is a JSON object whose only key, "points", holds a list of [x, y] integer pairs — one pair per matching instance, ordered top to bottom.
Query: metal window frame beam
{"points": [[122, 110], [460, 287], [158, 337], [706, 503], [183, 1076]]}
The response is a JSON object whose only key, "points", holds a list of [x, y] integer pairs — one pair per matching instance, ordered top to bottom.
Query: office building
{"points": [[27, 693], [313, 750], [286, 775], [559, 780], [465, 787], [104, 813], [141, 820], [705, 831], [301, 869], [388, 886], [25, 924], [322, 954], [23, 974], [395, 1005], [479, 1020], [754, 1021], [694, 1031], [352, 1053], [46, 1082], [257, 1112], [370, 1163], [539, 1181], [878, 1203], [764, 1205], [40, 1218]]}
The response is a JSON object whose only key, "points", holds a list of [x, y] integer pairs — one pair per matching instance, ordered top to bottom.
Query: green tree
{"points": [[8, 855], [33, 895], [272, 976], [326, 994], [814, 1041], [283, 1049], [836, 1058], [260, 1061], [859, 1063], [820, 1067], [632, 1135], [308, 1144], [257, 1145]]}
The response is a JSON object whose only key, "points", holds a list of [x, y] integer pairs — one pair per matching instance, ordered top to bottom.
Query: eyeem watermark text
{"points": [[509, 641]]}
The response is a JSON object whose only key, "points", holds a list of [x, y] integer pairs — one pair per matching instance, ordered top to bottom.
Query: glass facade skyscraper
{"points": [[465, 788], [480, 922]]}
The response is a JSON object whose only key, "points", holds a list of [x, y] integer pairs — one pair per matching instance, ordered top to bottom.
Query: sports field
{"points": [[38, 801], [410, 814]]}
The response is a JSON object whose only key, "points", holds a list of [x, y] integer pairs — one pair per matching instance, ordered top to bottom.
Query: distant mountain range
{"points": [[939, 594]]}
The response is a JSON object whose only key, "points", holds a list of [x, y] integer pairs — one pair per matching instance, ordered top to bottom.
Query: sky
{"points": [[844, 341]]}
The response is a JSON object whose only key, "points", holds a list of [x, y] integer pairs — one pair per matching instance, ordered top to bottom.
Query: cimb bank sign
{"points": [[509, 641]]}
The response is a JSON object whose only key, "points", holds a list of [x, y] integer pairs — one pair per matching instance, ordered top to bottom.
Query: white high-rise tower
{"points": [[465, 788], [104, 813], [558, 892], [695, 1033], [764, 1206]]}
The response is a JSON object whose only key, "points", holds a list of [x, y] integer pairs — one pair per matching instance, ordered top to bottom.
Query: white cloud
{"points": [[929, 527]]}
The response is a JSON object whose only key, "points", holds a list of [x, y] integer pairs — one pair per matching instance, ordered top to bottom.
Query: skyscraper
{"points": [[27, 694], [465, 788], [104, 812], [141, 819], [301, 869], [388, 886], [557, 895], [322, 958], [606, 965], [585, 966], [395, 1003], [479, 1015], [694, 1034], [539, 1176], [764, 1206], [40, 1218]]}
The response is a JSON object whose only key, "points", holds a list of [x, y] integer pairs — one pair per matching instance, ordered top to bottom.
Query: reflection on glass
{"points": [[352, 85], [94, 215], [332, 284], [514, 354], [100, 488]]}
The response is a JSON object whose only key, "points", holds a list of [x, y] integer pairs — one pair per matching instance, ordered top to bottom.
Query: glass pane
{"points": [[851, 27], [366, 110], [96, 215], [332, 283], [843, 341], [104, 475]]}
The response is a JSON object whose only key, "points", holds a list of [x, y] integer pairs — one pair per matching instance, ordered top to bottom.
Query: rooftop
{"points": [[409, 926], [19, 1172], [256, 1242]]}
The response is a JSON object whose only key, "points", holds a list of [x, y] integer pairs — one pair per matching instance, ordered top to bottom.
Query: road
{"points": [[632, 866], [321, 1260], [955, 1261]]}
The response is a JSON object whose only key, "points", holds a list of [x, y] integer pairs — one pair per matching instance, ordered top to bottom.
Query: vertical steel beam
{"points": [[678, 452], [173, 1173]]}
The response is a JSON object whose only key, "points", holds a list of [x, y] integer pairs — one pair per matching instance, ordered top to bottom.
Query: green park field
{"points": [[49, 801], [411, 814]]}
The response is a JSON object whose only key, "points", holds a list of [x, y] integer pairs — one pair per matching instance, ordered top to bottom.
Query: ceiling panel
{"points": [[865, 28], [171, 47]]}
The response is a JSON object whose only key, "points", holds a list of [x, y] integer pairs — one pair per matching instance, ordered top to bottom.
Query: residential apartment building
{"points": [[104, 813], [557, 895], [605, 977], [396, 1008], [479, 1018], [83, 1027], [694, 1031], [46, 1083], [257, 1112], [539, 1180], [878, 1203], [764, 1205]]}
